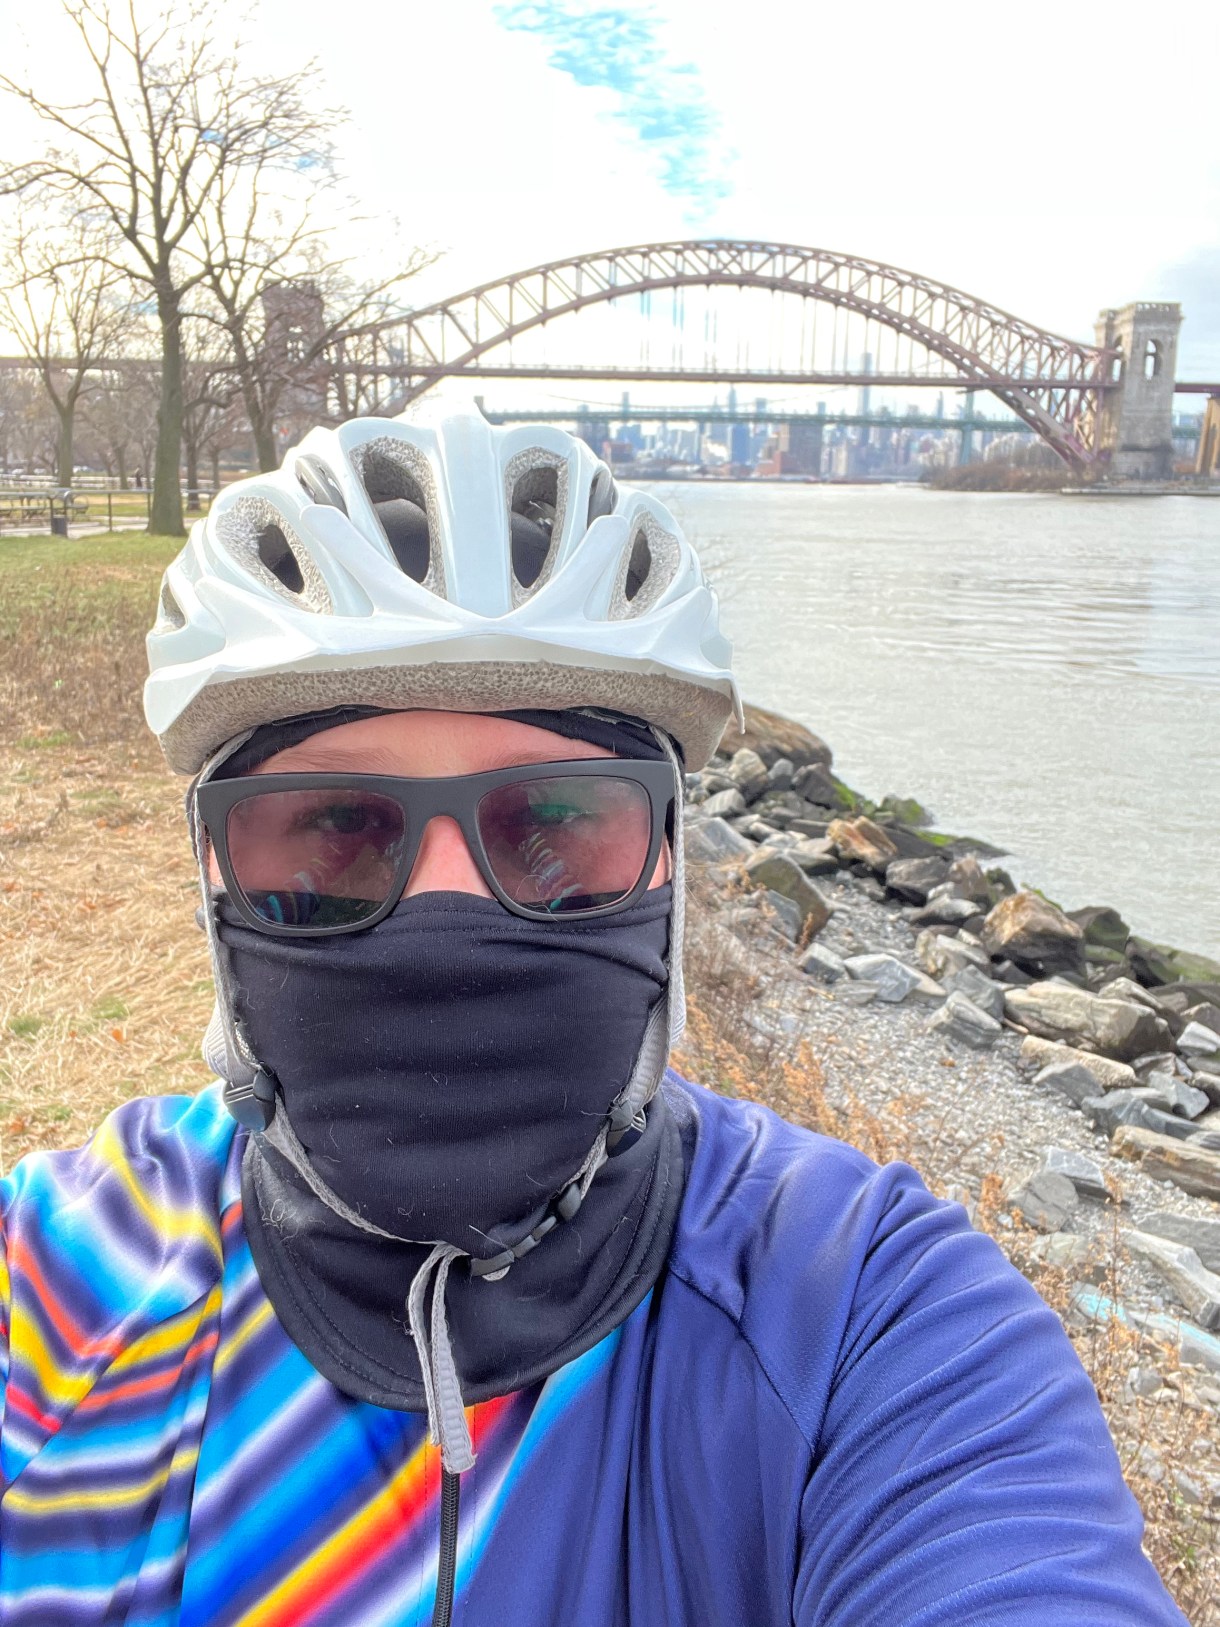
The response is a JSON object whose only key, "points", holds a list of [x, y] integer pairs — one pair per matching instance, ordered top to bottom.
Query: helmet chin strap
{"points": [[253, 1097]]}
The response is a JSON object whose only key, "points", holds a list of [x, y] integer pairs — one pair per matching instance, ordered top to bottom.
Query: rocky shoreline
{"points": [[1056, 1048]]}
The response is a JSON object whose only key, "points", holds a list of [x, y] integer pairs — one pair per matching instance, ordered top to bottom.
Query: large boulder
{"points": [[773, 737], [748, 773], [780, 774], [815, 783], [724, 804], [712, 841], [860, 841], [910, 844], [815, 855], [777, 873], [914, 879], [969, 881], [945, 911], [1103, 928], [1031, 931], [939, 955], [822, 963], [1156, 965], [894, 979], [984, 991], [960, 1019], [1117, 1028], [1197, 1041], [1038, 1053], [1070, 1080], [1118, 1107], [1193, 1168], [1085, 1173], [1046, 1201], [1200, 1234], [1195, 1286]]}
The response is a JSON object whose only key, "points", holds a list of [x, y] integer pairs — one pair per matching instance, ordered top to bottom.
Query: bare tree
{"points": [[175, 120], [285, 300], [69, 307], [359, 365], [212, 414], [121, 418], [27, 425]]}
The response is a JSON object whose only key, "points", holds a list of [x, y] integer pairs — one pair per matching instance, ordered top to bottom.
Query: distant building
{"points": [[794, 449]]}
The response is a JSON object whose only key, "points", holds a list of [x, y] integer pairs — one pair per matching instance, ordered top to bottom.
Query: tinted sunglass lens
{"points": [[560, 845], [315, 858]]}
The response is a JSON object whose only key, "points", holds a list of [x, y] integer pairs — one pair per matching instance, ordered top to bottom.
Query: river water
{"points": [[1039, 670]]}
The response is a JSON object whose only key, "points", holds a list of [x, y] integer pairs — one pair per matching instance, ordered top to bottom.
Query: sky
{"points": [[1052, 158]]}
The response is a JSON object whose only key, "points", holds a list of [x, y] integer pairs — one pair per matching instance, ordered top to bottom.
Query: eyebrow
{"points": [[377, 760]]}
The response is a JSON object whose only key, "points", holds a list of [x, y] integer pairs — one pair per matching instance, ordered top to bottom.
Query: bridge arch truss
{"points": [[1050, 382]]}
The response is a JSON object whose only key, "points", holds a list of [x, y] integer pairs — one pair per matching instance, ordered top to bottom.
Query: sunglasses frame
{"points": [[422, 800]]}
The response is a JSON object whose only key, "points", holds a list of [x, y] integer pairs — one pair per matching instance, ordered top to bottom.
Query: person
{"points": [[447, 1302]]}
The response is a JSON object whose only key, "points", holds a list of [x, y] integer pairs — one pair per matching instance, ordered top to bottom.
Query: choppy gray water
{"points": [[1041, 671]]}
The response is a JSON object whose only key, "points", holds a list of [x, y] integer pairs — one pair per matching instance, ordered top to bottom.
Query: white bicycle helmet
{"points": [[435, 561]]}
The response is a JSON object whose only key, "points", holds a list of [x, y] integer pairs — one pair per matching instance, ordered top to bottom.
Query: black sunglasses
{"points": [[330, 853]]}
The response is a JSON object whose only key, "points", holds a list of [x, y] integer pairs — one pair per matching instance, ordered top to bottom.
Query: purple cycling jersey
{"points": [[839, 1405]]}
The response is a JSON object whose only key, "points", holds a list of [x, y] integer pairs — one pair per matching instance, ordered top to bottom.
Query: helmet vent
{"points": [[536, 490], [603, 494], [400, 502], [532, 510], [262, 541], [278, 557], [638, 566], [646, 567], [171, 610]]}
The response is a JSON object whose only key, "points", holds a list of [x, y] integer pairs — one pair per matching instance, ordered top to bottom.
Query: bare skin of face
{"points": [[434, 745]]}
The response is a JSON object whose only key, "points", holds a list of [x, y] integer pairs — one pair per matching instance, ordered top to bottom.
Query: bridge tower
{"points": [[1135, 420], [1208, 462]]}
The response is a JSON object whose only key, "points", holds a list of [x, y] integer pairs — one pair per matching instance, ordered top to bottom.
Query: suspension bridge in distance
{"points": [[729, 311], [1104, 407]]}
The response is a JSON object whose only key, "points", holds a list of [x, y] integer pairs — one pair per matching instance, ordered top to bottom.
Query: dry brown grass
{"points": [[104, 985]]}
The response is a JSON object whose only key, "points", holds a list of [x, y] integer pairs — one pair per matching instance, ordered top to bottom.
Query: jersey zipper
{"points": [[446, 1564]]}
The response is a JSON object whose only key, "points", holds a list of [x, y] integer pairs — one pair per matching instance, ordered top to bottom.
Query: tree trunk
{"points": [[262, 418], [264, 443], [63, 456], [215, 470], [192, 474], [165, 518]]}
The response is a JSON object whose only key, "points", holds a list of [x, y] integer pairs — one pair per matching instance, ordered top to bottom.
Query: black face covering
{"points": [[448, 1070]]}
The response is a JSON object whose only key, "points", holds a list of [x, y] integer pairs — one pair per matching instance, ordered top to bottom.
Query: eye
{"points": [[556, 813], [342, 818]]}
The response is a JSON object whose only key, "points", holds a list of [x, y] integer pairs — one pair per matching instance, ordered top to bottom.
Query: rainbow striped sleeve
{"points": [[169, 1458]]}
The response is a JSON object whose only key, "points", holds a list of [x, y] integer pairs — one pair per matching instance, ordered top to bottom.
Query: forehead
{"points": [[427, 744]]}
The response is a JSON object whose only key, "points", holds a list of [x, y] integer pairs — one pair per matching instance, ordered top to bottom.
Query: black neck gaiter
{"points": [[447, 1072]]}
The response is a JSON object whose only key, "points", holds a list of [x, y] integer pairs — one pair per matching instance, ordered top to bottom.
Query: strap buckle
{"points": [[564, 1207]]}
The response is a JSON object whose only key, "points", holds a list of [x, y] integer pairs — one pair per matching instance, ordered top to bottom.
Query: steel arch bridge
{"points": [[1052, 383]]}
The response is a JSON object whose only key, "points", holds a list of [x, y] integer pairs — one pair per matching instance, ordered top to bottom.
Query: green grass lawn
{"points": [[73, 615]]}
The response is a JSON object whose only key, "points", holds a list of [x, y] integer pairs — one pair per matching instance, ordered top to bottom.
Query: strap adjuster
{"points": [[564, 1207]]}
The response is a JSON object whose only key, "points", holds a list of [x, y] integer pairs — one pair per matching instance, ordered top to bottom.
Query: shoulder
{"points": [[151, 1169], [103, 1242], [810, 1248]]}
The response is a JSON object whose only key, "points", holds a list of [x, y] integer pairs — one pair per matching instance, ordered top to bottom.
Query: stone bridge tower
{"points": [[1135, 421]]}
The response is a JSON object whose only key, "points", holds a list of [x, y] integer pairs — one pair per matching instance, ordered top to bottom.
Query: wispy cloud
{"points": [[617, 48]]}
